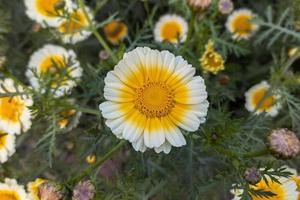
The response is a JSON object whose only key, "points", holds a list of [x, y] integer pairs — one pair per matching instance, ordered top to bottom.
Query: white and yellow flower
{"points": [[46, 12], [239, 24], [75, 28], [171, 28], [61, 63], [150, 96], [258, 100], [15, 115], [7, 146], [33, 188], [11, 190]]}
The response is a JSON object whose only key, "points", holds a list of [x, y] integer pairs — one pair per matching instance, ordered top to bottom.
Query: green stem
{"points": [[190, 30], [96, 33], [88, 110], [258, 153], [99, 162]]}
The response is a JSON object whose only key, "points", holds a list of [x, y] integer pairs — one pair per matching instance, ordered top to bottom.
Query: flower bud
{"points": [[199, 4], [225, 6], [103, 55], [284, 143], [90, 159], [252, 175], [84, 190], [50, 191]]}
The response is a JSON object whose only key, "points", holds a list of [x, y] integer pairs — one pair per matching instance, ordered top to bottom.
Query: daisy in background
{"points": [[46, 12], [239, 24], [74, 28], [171, 28], [115, 31], [58, 61], [212, 61], [150, 95], [258, 100], [15, 115], [7, 146], [33, 188], [284, 189], [11, 190]]}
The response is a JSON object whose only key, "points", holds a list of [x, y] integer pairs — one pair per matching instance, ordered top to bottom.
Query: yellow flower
{"points": [[46, 12], [240, 25], [171, 28], [74, 29], [115, 31], [293, 51], [49, 59], [211, 61], [150, 94], [256, 100], [15, 115], [7, 146], [90, 159], [33, 188], [11, 190]]}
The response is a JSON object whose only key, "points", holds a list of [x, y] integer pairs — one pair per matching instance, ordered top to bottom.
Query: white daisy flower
{"points": [[46, 12], [239, 24], [75, 28], [171, 28], [47, 60], [150, 96], [257, 100], [15, 115], [7, 146], [286, 189], [11, 190]]}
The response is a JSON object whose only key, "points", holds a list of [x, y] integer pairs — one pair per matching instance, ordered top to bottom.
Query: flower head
{"points": [[199, 4], [225, 6], [46, 12], [239, 24], [171, 28], [74, 29], [115, 31], [211, 61], [62, 64], [150, 94], [258, 100], [15, 115], [284, 143], [7, 146], [90, 159], [252, 175], [33, 188], [284, 189], [11, 190], [84, 190], [50, 191]]}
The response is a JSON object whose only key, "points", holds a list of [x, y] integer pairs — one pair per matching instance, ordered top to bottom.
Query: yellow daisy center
{"points": [[47, 7], [76, 22], [242, 24], [115, 31], [171, 31], [213, 60], [154, 99], [260, 100], [11, 109], [3, 141], [272, 187], [9, 195]]}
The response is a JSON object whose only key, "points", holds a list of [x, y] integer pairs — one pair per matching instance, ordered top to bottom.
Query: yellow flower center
{"points": [[47, 7], [76, 22], [242, 24], [115, 31], [171, 31], [213, 59], [51, 65], [154, 99], [260, 100], [11, 109], [3, 140], [272, 187], [9, 195]]}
